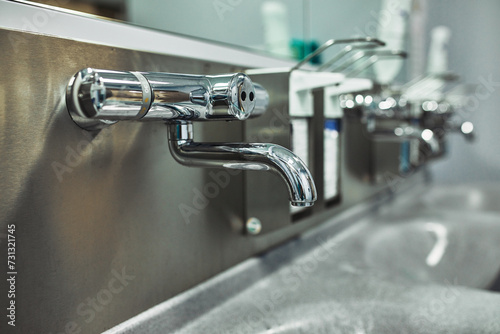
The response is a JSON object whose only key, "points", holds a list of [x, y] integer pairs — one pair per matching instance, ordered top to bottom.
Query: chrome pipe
{"points": [[244, 156]]}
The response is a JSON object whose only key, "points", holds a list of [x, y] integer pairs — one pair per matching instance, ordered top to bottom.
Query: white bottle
{"points": [[392, 29], [276, 31], [438, 50], [300, 145], [331, 159]]}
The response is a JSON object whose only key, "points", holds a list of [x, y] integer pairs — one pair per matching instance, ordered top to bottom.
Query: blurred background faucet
{"points": [[390, 116]]}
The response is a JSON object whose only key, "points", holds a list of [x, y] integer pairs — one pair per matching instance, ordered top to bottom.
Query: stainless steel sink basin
{"points": [[466, 197], [476, 197], [441, 233], [456, 247], [420, 264]]}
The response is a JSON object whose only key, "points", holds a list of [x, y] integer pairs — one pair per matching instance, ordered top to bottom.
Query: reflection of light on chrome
{"points": [[359, 99], [368, 99], [391, 102], [349, 103], [384, 105], [430, 106], [443, 107], [467, 127], [409, 130], [398, 132], [427, 134], [246, 166], [437, 252]]}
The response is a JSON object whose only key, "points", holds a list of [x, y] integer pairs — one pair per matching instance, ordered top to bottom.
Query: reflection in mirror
{"points": [[113, 9], [258, 24], [272, 26], [284, 28]]}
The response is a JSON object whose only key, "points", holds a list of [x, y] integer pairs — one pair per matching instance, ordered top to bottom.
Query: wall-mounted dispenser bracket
{"points": [[303, 82]]}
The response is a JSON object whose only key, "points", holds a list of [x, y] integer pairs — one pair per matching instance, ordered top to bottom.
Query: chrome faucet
{"points": [[99, 98], [396, 119], [380, 131], [243, 156]]}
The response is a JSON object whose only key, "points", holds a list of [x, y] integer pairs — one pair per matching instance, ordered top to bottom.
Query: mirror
{"points": [[274, 27], [283, 28]]}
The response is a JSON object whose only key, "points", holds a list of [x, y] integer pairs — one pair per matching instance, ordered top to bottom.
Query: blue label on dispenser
{"points": [[332, 124], [404, 159]]}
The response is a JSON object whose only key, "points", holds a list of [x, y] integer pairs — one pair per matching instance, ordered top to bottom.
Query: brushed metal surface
{"points": [[273, 126], [114, 209], [100, 230]]}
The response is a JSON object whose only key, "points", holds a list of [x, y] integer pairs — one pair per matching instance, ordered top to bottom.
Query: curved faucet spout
{"points": [[402, 133], [245, 156]]}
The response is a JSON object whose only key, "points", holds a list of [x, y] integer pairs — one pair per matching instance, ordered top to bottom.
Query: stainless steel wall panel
{"points": [[100, 228]]}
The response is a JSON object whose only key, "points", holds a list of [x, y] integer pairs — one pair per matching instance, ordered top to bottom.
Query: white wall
{"points": [[475, 55]]}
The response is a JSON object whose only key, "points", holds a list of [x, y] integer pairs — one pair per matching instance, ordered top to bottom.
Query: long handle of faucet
{"points": [[348, 49], [358, 56], [376, 56], [97, 98]]}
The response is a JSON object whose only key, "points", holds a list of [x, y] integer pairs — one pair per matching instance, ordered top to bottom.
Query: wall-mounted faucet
{"points": [[99, 98], [396, 119]]}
